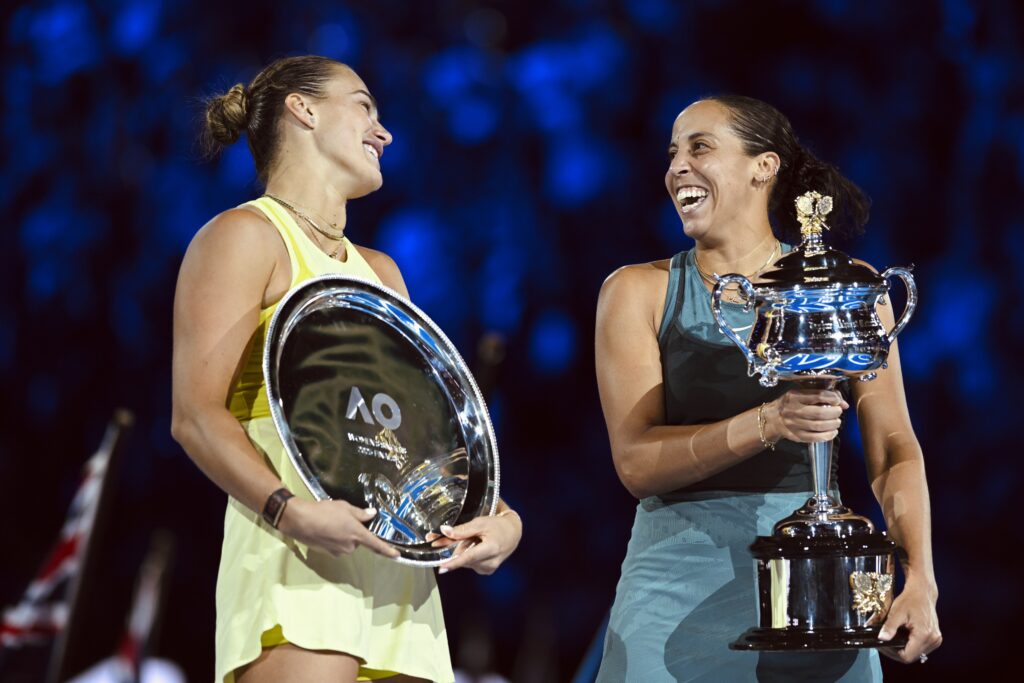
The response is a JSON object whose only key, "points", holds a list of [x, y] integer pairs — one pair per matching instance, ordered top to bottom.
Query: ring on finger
{"points": [[923, 658]]}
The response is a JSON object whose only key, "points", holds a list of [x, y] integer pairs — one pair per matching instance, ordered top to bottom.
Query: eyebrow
{"points": [[373, 101], [691, 137]]}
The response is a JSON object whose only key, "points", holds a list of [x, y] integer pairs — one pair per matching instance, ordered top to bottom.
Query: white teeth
{"points": [[371, 150], [690, 192], [690, 198]]}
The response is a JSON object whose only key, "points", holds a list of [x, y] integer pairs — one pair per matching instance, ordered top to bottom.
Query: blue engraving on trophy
{"points": [[808, 305], [861, 360], [807, 361]]}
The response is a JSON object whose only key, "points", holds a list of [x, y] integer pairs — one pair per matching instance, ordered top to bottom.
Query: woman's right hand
{"points": [[805, 415], [333, 526]]}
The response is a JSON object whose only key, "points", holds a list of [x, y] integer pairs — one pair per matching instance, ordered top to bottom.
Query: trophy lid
{"points": [[813, 264]]}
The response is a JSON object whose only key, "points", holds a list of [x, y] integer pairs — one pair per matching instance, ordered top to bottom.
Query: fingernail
{"points": [[372, 510], [446, 528], [442, 570]]}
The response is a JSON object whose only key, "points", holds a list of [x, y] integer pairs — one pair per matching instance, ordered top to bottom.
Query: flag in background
{"points": [[43, 611], [144, 615], [37, 634]]}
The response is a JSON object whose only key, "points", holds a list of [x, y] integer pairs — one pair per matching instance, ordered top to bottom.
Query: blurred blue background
{"points": [[527, 165]]}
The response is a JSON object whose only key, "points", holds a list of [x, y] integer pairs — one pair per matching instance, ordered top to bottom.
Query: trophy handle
{"points": [[908, 282], [716, 309]]}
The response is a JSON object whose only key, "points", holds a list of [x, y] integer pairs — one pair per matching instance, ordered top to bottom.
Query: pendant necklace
{"points": [[339, 233], [735, 297]]}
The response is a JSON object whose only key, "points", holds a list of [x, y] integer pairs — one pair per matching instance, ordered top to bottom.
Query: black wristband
{"points": [[273, 509]]}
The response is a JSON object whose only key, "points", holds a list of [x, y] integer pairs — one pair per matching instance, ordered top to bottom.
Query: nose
{"points": [[382, 134], [679, 165]]}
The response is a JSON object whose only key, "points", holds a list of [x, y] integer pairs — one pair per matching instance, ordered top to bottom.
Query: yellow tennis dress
{"points": [[272, 589]]}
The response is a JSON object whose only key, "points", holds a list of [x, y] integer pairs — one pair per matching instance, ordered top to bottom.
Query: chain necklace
{"points": [[316, 226], [711, 280]]}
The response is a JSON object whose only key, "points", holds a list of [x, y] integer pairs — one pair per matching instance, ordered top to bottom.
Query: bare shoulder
{"points": [[228, 230], [239, 250], [376, 257], [385, 267], [643, 281], [634, 293]]}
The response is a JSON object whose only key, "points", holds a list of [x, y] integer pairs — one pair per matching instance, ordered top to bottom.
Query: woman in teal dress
{"points": [[714, 458]]}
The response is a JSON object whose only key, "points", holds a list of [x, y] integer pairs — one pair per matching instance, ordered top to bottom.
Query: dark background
{"points": [[527, 165]]}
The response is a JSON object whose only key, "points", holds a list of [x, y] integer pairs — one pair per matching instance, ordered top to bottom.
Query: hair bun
{"points": [[227, 115]]}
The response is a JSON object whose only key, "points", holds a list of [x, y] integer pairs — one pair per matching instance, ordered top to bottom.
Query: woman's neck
{"points": [[323, 200], [745, 250]]}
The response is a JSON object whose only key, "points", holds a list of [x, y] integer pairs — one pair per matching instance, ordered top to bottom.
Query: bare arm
{"points": [[229, 271], [216, 310], [651, 457], [896, 471]]}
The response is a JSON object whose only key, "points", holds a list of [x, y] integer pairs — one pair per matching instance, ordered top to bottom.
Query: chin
{"points": [[367, 185], [694, 229]]}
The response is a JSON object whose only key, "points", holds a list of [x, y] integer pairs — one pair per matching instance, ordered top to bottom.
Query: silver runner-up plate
{"points": [[376, 407]]}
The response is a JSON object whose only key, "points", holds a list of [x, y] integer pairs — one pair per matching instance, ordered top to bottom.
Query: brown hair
{"points": [[257, 109], [763, 128]]}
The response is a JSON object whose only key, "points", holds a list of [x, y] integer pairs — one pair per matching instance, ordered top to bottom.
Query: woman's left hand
{"points": [[483, 543], [914, 608]]}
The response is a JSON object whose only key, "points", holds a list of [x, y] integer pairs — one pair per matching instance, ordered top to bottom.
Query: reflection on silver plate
{"points": [[376, 407]]}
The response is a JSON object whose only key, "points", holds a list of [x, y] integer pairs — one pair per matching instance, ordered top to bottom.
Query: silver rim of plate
{"points": [[473, 467]]}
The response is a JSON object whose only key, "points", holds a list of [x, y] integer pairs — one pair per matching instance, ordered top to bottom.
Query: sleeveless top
{"points": [[705, 380], [249, 395], [271, 589]]}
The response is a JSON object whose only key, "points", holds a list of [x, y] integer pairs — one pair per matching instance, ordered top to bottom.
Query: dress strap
{"points": [[285, 227], [674, 294]]}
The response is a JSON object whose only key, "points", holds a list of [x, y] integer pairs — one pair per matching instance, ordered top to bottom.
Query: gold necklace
{"points": [[340, 234], [330, 254], [712, 280], [735, 297]]}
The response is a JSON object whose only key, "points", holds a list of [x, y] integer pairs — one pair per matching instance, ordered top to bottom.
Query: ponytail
{"points": [[763, 128], [807, 172]]}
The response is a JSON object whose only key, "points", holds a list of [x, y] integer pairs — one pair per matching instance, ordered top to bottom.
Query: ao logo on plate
{"points": [[385, 410]]}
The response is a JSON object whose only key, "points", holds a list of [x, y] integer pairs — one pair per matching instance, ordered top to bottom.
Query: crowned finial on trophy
{"points": [[811, 209]]}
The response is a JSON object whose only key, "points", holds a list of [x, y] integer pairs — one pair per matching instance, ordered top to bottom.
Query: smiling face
{"points": [[348, 132], [710, 178]]}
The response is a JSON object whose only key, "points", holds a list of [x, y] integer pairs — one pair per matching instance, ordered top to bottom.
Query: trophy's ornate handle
{"points": [[908, 282], [716, 309]]}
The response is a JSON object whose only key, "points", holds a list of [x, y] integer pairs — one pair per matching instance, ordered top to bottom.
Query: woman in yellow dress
{"points": [[305, 592]]}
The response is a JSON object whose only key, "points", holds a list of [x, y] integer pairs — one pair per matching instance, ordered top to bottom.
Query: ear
{"points": [[297, 105], [766, 167]]}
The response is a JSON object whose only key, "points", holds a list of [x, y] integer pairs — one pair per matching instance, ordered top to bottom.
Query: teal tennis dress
{"points": [[688, 586]]}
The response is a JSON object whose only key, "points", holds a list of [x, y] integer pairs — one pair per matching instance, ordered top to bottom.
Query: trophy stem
{"points": [[821, 468], [822, 506]]}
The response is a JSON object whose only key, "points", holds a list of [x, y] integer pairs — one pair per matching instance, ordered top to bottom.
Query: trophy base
{"points": [[793, 639]]}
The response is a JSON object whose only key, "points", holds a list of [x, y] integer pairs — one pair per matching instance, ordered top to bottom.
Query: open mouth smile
{"points": [[372, 151], [689, 198]]}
